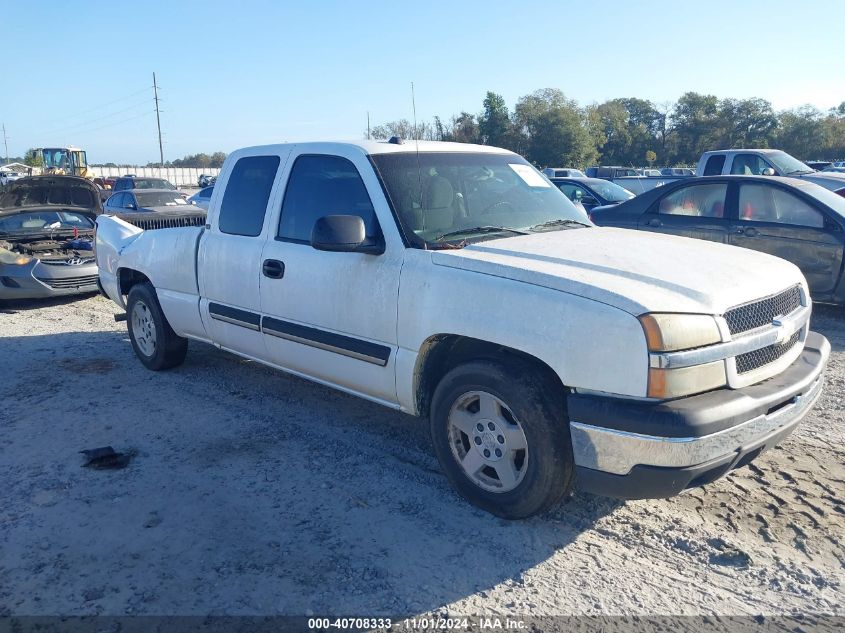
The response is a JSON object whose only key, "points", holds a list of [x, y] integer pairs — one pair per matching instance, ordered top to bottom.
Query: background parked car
{"points": [[563, 172], [677, 172], [9, 176], [205, 180], [134, 182], [592, 192], [202, 197], [154, 209], [794, 219]]}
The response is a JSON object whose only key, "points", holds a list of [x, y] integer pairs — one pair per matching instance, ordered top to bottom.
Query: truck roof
{"points": [[384, 147], [744, 151]]}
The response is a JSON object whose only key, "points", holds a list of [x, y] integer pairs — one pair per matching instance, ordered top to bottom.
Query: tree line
{"points": [[551, 130]]}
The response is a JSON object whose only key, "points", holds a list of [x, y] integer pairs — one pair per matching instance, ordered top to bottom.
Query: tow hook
{"points": [[120, 317]]}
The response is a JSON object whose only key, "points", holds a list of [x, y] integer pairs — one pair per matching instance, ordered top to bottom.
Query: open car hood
{"points": [[52, 193]]}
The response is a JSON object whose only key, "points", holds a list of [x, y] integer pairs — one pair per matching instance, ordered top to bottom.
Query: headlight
{"points": [[8, 257], [673, 332]]}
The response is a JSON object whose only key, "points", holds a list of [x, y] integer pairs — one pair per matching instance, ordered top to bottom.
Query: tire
{"points": [[154, 341], [514, 403]]}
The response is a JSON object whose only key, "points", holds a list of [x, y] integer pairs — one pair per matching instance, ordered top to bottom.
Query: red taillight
{"points": [[841, 192]]}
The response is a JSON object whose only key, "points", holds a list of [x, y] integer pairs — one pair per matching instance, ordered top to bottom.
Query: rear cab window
{"points": [[715, 165], [247, 194]]}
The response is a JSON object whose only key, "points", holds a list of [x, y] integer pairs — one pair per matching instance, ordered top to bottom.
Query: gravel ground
{"points": [[253, 492]]}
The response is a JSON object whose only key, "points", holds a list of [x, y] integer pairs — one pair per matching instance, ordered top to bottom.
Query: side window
{"points": [[714, 165], [748, 165], [323, 185], [573, 192], [205, 194], [246, 196], [116, 200], [698, 200], [128, 201], [763, 203]]}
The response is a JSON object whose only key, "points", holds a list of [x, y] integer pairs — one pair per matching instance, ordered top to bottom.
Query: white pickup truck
{"points": [[766, 162], [454, 282]]}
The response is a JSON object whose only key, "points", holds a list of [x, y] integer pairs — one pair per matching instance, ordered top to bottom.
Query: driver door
{"points": [[331, 316]]}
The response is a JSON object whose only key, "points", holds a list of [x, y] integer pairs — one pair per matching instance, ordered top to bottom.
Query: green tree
{"points": [[696, 123], [746, 123], [494, 124], [462, 128], [554, 130], [802, 132], [650, 157], [33, 158]]}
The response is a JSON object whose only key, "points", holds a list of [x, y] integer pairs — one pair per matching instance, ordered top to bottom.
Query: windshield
{"points": [[787, 164], [152, 183], [611, 192], [435, 194], [159, 199], [832, 199], [44, 221]]}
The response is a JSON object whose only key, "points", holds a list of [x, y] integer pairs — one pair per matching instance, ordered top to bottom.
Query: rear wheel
{"points": [[154, 341], [501, 434]]}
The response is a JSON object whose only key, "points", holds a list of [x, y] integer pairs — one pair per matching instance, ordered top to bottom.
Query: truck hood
{"points": [[831, 180], [634, 271]]}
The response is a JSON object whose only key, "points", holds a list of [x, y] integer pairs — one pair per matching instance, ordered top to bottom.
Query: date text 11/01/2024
{"points": [[421, 623]]}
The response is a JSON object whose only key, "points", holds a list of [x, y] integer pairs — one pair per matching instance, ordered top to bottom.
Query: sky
{"points": [[233, 74]]}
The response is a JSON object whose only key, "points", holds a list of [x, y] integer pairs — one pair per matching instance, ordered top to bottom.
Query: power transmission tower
{"points": [[158, 123]]}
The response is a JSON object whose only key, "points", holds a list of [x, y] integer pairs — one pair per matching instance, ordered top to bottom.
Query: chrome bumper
{"points": [[617, 452]]}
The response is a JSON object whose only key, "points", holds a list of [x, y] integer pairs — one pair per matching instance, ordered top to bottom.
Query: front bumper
{"points": [[36, 280], [641, 450]]}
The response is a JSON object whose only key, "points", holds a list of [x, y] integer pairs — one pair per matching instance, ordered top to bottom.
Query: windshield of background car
{"points": [[787, 164], [152, 183], [611, 192], [47, 193], [438, 193], [827, 197], [160, 199], [44, 221]]}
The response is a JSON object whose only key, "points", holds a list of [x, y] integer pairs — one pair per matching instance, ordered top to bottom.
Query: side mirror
{"points": [[768, 171], [132, 206], [343, 234]]}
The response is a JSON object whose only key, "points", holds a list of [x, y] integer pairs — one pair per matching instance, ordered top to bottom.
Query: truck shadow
{"points": [[334, 503]]}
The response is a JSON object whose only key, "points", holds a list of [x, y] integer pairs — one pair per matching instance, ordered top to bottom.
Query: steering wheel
{"points": [[495, 205]]}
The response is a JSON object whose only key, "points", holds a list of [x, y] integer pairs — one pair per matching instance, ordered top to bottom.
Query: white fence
{"points": [[179, 176]]}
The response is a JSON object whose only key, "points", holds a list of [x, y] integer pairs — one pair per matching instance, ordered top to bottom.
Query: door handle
{"points": [[654, 222], [273, 268]]}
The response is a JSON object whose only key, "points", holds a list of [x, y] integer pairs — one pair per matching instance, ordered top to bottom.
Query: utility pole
{"points": [[158, 123], [368, 125], [6, 141]]}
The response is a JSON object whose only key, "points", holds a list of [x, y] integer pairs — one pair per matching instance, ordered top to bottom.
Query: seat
{"points": [[717, 209], [437, 212]]}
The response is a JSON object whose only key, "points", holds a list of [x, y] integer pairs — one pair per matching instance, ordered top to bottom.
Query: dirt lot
{"points": [[252, 492]]}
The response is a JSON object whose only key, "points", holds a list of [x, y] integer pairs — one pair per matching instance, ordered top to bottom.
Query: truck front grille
{"points": [[152, 221], [70, 282], [760, 313], [760, 357]]}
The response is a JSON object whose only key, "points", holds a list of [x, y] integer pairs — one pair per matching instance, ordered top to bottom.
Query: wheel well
{"points": [[128, 278], [441, 353]]}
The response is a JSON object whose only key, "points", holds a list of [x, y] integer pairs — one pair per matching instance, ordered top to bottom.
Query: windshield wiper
{"points": [[801, 171], [558, 222], [480, 229]]}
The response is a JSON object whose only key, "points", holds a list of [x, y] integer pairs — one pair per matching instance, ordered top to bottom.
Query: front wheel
{"points": [[154, 341], [502, 436]]}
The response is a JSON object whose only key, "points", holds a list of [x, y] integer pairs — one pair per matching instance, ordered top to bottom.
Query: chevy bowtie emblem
{"points": [[782, 334]]}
